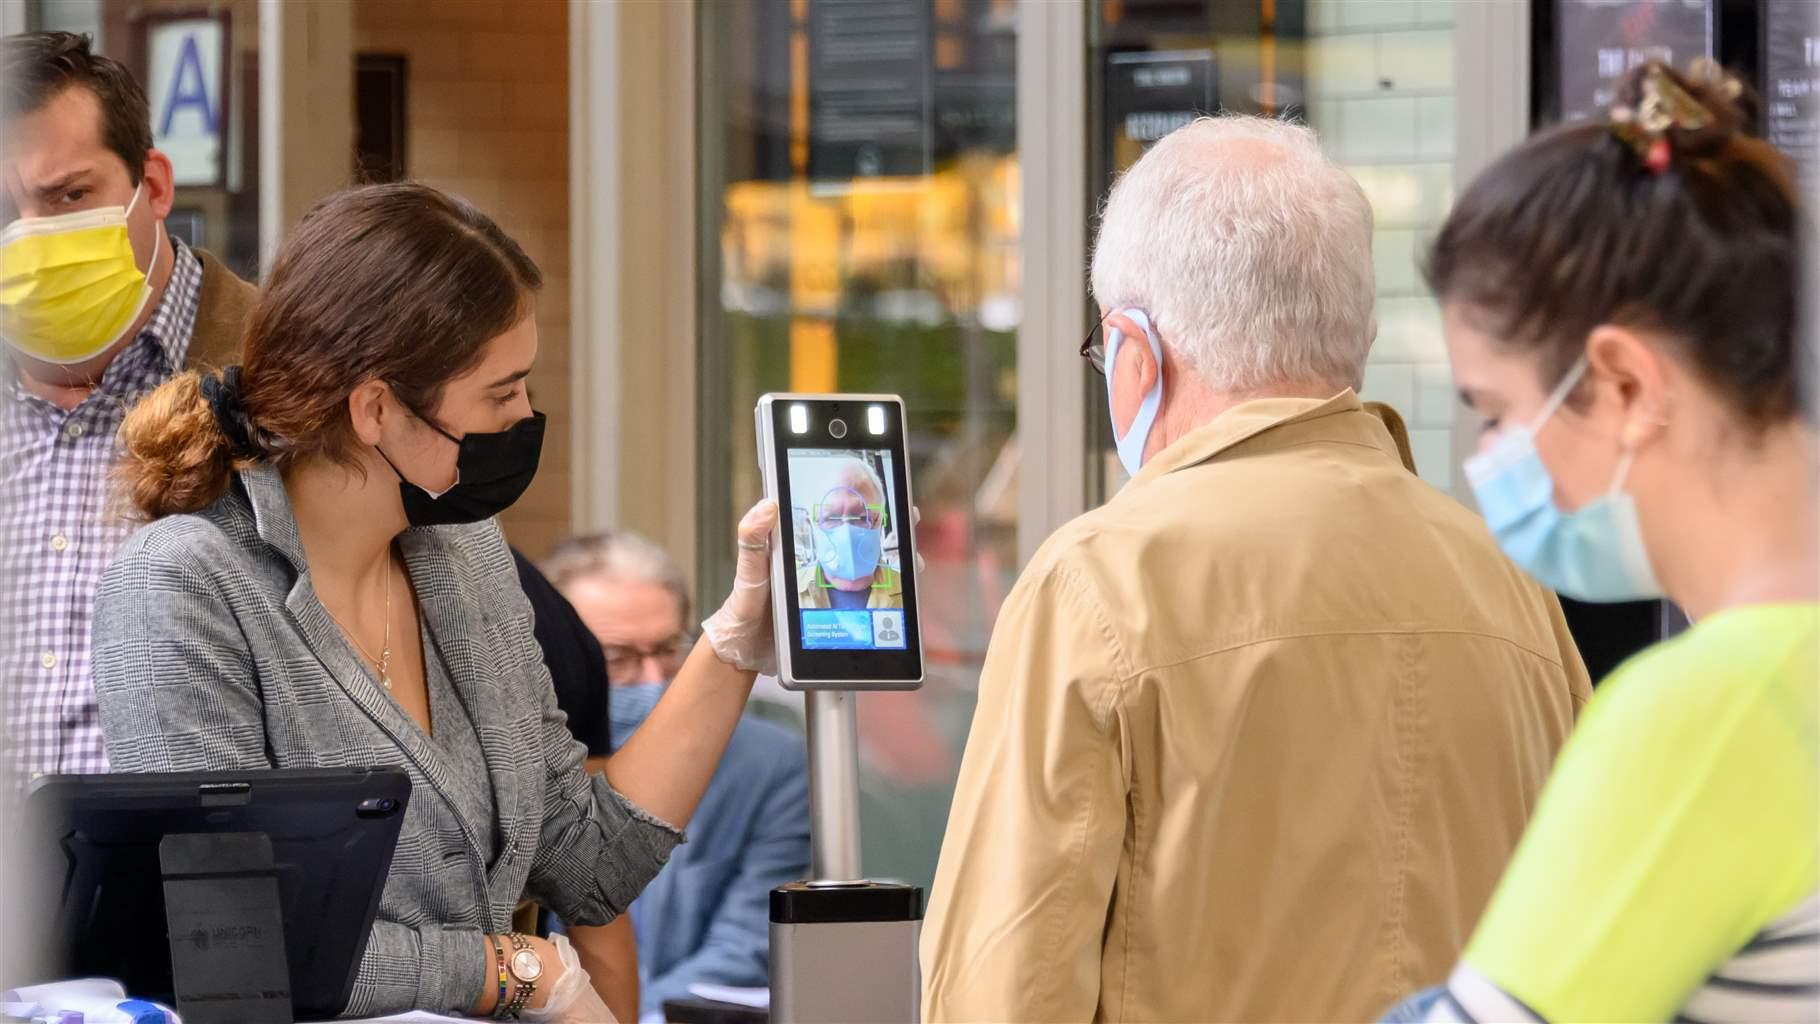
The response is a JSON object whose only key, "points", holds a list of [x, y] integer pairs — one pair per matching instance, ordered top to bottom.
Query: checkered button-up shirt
{"points": [[59, 529]]}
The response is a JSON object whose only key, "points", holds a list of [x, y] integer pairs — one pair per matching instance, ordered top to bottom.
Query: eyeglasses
{"points": [[1094, 348], [829, 515], [867, 520], [624, 661]]}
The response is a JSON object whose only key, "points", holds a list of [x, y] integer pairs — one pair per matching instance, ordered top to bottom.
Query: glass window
{"points": [[199, 68], [1375, 79], [859, 207]]}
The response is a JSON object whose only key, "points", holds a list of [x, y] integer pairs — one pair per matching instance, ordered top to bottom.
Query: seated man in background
{"points": [[1256, 737], [706, 917]]}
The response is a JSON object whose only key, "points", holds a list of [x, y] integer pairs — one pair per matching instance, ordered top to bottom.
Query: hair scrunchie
{"points": [[1665, 110], [223, 394]]}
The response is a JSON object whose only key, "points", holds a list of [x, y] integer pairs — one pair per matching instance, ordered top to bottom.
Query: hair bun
{"points": [[1698, 112]]}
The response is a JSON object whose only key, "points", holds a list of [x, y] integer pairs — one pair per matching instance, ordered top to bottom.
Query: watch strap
{"points": [[525, 988]]}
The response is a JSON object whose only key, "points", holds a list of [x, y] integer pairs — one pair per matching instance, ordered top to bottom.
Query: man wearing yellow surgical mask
{"points": [[98, 305]]}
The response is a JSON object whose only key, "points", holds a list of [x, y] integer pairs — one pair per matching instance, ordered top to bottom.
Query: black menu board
{"points": [[1599, 40], [975, 78], [1791, 84], [869, 89], [1152, 93]]}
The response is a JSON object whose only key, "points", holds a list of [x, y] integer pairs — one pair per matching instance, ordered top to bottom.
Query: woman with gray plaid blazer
{"points": [[321, 584]]}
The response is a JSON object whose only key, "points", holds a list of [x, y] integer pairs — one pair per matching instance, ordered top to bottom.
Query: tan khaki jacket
{"points": [[1254, 740]]}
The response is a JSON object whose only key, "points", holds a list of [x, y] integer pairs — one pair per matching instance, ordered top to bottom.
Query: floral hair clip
{"points": [[1665, 105]]}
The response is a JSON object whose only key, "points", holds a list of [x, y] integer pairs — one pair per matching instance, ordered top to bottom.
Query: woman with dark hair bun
{"points": [[1619, 301], [322, 584]]}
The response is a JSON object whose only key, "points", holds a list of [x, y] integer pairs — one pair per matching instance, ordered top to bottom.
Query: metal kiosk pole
{"points": [[843, 950]]}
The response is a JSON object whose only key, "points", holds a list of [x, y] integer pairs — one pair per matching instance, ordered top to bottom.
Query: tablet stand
{"points": [[226, 928], [843, 950]]}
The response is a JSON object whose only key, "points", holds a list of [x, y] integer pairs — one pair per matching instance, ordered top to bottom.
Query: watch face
{"points": [[526, 966]]}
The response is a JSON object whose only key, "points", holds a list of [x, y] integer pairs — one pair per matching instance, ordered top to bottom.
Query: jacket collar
{"points": [[223, 309], [1273, 422], [272, 516], [456, 628]]}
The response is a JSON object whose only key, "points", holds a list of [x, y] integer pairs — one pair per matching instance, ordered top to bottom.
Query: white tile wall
{"points": [[1434, 13], [1376, 14], [1322, 16], [1416, 60], [1343, 63], [1380, 95], [1324, 117], [1434, 128], [1378, 129], [1406, 195], [1394, 253], [1409, 330], [1393, 384], [1435, 395], [1433, 451]]}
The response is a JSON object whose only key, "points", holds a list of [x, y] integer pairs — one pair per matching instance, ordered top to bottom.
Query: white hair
{"points": [[1249, 250], [844, 470], [618, 555]]}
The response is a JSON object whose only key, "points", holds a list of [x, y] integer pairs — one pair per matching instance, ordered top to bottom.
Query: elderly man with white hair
{"points": [[849, 523], [1256, 737]]}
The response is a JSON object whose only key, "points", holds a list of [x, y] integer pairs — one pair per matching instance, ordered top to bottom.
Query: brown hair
{"points": [[37, 66], [1574, 229], [398, 283]]}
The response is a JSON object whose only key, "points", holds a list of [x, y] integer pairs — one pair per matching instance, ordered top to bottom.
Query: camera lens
{"points": [[837, 429], [376, 807]]}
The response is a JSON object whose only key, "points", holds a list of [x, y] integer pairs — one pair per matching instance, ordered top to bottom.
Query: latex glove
{"points": [[740, 632], [573, 1000]]}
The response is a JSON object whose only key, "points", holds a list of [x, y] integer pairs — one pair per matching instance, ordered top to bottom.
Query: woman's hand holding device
{"points": [[741, 632]]}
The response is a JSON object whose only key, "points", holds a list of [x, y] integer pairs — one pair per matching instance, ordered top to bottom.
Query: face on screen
{"points": [[846, 539]]}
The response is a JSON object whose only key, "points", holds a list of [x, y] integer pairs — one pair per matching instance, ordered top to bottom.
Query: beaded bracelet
{"points": [[499, 958]]}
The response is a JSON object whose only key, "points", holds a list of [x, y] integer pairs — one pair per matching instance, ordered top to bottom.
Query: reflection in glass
{"points": [[859, 203]]}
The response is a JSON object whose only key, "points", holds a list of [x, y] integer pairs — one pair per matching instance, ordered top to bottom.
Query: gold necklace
{"points": [[385, 651]]}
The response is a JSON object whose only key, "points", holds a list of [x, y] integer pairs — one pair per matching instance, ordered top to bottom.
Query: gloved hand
{"points": [[740, 632], [573, 999]]}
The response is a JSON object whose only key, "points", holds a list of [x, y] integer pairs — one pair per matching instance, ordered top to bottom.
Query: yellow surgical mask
{"points": [[69, 285]]}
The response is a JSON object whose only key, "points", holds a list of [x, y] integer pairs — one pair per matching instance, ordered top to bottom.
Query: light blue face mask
{"points": [[1131, 446], [849, 551], [1594, 553], [629, 704]]}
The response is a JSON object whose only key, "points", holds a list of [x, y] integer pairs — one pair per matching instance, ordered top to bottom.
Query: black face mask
{"points": [[491, 472]]}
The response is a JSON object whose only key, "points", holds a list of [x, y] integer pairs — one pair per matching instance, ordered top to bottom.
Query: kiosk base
{"points": [[221, 905], [845, 953]]}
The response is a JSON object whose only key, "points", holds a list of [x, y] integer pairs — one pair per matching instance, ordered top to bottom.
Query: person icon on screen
{"points": [[848, 523], [887, 631]]}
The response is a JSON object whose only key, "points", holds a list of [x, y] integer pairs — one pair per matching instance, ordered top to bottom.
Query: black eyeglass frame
{"points": [[1094, 348]]}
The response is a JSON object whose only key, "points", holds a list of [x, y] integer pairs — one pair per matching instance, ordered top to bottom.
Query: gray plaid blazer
{"points": [[212, 652]]}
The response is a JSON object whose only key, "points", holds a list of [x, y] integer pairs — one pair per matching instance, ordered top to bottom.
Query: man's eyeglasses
{"points": [[1094, 348], [831, 514], [870, 519], [624, 661]]}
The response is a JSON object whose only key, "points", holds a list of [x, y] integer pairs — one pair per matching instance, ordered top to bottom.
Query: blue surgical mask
{"points": [[1131, 446], [848, 551], [1594, 553], [630, 704]]}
